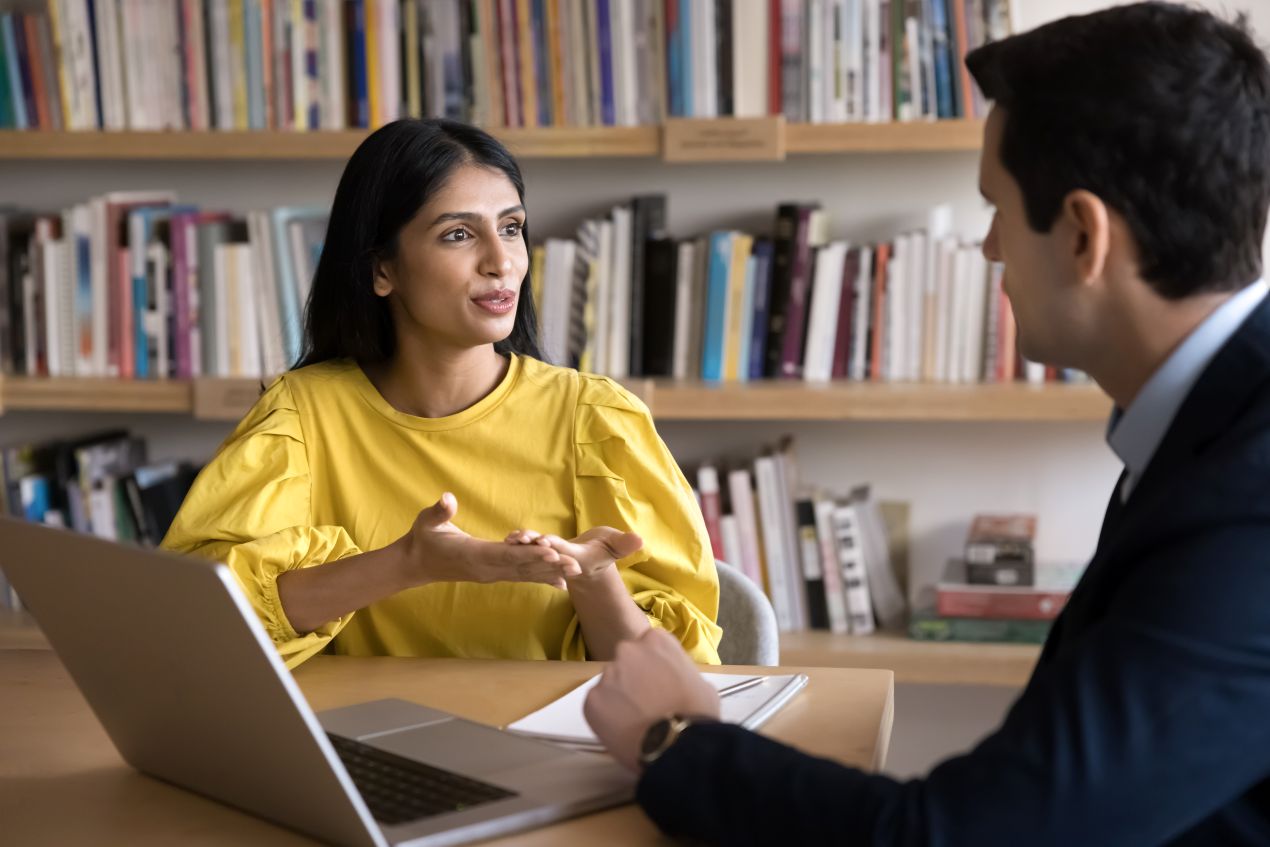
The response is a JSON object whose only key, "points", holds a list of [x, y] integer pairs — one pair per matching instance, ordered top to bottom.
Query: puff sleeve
{"points": [[626, 478], [250, 508]]}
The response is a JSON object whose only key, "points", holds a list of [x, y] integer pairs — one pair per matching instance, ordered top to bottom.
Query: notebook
{"points": [[562, 721]]}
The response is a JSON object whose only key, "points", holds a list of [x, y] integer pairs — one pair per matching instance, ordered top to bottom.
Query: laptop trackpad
{"points": [[467, 748]]}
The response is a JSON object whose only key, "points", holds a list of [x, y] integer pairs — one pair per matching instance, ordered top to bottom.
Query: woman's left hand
{"points": [[594, 551]]}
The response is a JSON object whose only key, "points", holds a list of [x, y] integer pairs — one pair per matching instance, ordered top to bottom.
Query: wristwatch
{"points": [[663, 733]]}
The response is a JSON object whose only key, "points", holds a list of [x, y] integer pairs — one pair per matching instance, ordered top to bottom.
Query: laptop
{"points": [[170, 656]]}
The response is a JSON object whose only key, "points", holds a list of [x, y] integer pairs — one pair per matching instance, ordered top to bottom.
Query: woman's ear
{"points": [[1090, 225], [383, 283]]}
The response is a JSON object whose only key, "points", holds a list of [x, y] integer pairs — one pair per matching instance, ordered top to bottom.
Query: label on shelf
{"points": [[724, 139]]}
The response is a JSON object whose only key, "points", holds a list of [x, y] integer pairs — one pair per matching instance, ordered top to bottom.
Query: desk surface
{"points": [[61, 781]]}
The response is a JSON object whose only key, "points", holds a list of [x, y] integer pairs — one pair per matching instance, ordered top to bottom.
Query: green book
{"points": [[926, 626]]}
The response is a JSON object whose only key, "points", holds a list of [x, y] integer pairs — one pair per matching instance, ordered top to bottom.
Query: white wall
{"points": [[1060, 471]]}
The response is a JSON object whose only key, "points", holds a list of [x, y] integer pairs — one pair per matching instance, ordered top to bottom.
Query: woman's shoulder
{"points": [[328, 376], [588, 389]]}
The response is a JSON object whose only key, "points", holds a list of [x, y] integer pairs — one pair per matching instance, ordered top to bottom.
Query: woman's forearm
{"points": [[316, 595], [606, 612]]}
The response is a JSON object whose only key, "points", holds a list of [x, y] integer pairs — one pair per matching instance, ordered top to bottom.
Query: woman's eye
{"points": [[512, 229], [456, 235]]}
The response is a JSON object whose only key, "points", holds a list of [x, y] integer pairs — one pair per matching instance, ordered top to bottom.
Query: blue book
{"points": [[937, 14], [604, 34], [357, 53], [685, 53], [311, 67], [24, 70], [16, 99], [100, 114], [7, 118], [717, 272], [759, 310], [747, 321]]}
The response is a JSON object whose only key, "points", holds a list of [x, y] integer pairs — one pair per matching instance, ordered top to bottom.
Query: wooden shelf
{"points": [[547, 143], [229, 399], [778, 400], [18, 631], [928, 662]]}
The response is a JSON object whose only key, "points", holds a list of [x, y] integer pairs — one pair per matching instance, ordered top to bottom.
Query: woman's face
{"points": [[455, 281]]}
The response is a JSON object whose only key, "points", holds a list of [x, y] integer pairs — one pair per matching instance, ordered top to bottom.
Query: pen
{"points": [[740, 686]]}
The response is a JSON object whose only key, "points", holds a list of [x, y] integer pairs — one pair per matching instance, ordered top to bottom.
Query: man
{"points": [[1128, 158]]}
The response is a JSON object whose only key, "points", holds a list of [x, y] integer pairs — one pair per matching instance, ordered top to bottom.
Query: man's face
{"points": [[1036, 277]]}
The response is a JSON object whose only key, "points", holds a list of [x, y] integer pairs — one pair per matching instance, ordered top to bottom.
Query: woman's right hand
{"points": [[435, 550]]}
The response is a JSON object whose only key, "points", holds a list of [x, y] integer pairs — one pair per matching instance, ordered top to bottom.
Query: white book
{"points": [[814, 39], [77, 41], [750, 42], [390, 60], [170, 64], [835, 68], [299, 74], [625, 76], [705, 98], [335, 107], [857, 107], [912, 110], [945, 263], [556, 288], [976, 290], [620, 296], [683, 308], [863, 308], [957, 311], [248, 314], [80, 319], [822, 321], [787, 480], [741, 493], [730, 533], [779, 568], [855, 579], [835, 592], [885, 595]]}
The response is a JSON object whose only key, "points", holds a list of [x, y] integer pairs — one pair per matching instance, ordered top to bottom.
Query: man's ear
{"points": [[1086, 218], [383, 277]]}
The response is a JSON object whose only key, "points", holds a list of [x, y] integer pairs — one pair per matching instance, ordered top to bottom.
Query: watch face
{"points": [[655, 737]]}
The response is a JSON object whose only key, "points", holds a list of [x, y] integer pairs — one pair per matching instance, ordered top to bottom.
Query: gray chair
{"points": [[750, 636]]}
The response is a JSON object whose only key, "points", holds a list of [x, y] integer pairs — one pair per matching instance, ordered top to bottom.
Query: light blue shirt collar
{"points": [[1135, 434]]}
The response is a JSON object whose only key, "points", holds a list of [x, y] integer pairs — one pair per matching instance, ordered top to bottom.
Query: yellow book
{"points": [[410, 20], [486, 23], [525, 48], [59, 60], [238, 63], [299, 68], [374, 95], [742, 245]]}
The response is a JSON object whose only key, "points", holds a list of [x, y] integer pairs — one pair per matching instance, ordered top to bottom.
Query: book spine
{"points": [[796, 311], [711, 507], [1000, 603]]}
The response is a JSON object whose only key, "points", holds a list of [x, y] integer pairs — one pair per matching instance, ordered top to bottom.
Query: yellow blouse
{"points": [[323, 468]]}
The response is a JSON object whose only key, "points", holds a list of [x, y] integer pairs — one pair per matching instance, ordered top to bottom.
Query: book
{"points": [[957, 598], [928, 626], [755, 699]]}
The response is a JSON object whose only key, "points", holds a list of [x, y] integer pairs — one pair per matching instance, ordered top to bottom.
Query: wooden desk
{"points": [[61, 781]]}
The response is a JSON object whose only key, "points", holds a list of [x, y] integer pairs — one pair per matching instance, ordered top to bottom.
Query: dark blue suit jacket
{"points": [[1147, 719]]}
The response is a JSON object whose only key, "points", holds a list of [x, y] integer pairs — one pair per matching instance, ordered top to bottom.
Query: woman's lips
{"points": [[497, 302]]}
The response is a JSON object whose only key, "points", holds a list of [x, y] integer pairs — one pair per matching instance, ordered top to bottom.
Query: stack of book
{"points": [[329, 64], [133, 284], [103, 484], [823, 559], [992, 594]]}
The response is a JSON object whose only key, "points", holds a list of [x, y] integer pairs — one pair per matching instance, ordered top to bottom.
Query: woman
{"points": [[421, 382]]}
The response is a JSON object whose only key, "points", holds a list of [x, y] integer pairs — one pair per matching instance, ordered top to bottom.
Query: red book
{"points": [[846, 311], [955, 598]]}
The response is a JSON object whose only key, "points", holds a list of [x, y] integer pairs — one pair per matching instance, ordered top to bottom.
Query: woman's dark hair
{"points": [[1161, 110], [390, 176]]}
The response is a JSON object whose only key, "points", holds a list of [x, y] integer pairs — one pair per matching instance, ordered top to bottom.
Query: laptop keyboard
{"points": [[399, 790]]}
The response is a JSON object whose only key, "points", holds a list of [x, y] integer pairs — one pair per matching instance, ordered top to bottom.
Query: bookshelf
{"points": [[544, 143], [228, 399]]}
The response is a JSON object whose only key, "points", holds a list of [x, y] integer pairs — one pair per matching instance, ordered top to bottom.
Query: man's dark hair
{"points": [[1161, 110], [391, 175]]}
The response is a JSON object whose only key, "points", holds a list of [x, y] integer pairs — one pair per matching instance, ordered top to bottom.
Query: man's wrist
{"points": [[662, 734]]}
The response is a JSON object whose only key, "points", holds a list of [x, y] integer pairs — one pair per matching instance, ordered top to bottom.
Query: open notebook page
{"points": [[563, 722]]}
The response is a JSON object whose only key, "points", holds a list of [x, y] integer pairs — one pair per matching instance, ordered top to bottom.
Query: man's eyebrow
{"points": [[473, 216]]}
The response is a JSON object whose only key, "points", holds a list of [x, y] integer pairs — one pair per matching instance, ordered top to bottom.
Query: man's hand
{"points": [[435, 550], [593, 551], [651, 678]]}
